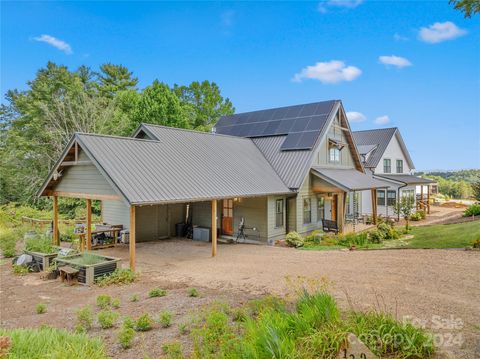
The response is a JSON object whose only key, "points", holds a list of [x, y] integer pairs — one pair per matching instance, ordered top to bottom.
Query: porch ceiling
{"points": [[349, 179]]}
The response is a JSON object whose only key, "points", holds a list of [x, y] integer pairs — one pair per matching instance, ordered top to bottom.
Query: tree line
{"points": [[36, 124]]}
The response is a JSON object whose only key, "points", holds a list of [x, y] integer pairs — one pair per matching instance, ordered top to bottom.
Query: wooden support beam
{"points": [[75, 163], [108, 197], [428, 199], [374, 205], [422, 205], [341, 211], [89, 224], [214, 227], [56, 239], [131, 245]]}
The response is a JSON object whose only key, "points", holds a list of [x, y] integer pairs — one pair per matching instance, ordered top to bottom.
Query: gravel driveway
{"points": [[439, 288]]}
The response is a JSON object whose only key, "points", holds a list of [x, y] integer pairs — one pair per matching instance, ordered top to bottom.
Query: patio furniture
{"points": [[329, 226]]}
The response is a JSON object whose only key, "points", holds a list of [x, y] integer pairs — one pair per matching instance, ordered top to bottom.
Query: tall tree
{"points": [[468, 7], [114, 79], [206, 103], [159, 105], [476, 189]]}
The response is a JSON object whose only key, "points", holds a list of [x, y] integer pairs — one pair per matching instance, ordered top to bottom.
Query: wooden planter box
{"points": [[44, 260], [88, 273]]}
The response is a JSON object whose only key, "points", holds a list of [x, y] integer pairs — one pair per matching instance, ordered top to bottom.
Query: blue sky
{"points": [[410, 64]]}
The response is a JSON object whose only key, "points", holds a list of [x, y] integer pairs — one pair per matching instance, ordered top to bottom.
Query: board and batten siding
{"points": [[84, 179], [306, 192], [254, 211], [116, 212], [274, 232]]}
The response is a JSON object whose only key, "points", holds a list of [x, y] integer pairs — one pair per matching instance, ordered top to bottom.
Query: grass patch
{"points": [[458, 235], [40, 245], [86, 259], [20, 270], [118, 276], [157, 292], [192, 292], [104, 301], [41, 308], [165, 318], [84, 319], [107, 319], [144, 323], [311, 327], [52, 343]]}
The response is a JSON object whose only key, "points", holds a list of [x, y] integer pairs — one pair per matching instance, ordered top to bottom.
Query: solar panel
{"points": [[302, 124]]}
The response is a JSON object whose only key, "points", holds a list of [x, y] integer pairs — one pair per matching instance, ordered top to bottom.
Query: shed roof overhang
{"points": [[349, 179], [405, 179]]}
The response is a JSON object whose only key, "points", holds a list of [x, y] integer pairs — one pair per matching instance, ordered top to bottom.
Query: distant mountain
{"points": [[469, 176]]}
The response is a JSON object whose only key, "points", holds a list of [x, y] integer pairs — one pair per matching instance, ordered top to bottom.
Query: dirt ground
{"points": [[439, 289]]}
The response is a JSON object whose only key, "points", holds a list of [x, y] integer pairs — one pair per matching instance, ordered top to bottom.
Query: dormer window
{"points": [[334, 148]]}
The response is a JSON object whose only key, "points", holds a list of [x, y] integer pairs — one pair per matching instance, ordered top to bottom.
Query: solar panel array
{"points": [[302, 124]]}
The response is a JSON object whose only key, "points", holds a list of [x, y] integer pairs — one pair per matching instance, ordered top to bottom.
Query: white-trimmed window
{"points": [[334, 155], [387, 165], [399, 166], [381, 198], [391, 198], [307, 210], [279, 213]]}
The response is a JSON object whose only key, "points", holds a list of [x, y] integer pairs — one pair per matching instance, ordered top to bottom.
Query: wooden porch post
{"points": [[428, 199], [422, 203], [374, 205], [341, 211], [89, 225], [214, 227], [132, 238], [56, 239]]}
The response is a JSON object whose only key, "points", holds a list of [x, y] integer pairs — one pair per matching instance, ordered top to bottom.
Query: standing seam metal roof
{"points": [[380, 137], [183, 166]]}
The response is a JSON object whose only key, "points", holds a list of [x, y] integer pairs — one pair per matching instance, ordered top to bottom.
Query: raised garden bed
{"points": [[44, 260], [90, 266]]}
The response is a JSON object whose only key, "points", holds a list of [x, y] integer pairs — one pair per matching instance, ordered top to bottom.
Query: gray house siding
{"points": [[84, 179], [254, 211], [116, 212], [276, 232]]}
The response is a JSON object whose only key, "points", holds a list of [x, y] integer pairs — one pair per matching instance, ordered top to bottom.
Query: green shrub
{"points": [[472, 210], [416, 216], [375, 236], [294, 239], [313, 239], [353, 239], [329, 240], [8, 242], [476, 243], [40, 245], [20, 270], [119, 276], [157, 292], [192, 292], [135, 298], [104, 301], [116, 303], [41, 308], [239, 314], [165, 318], [84, 319], [107, 319], [128, 322], [144, 323], [183, 328], [383, 335], [125, 337], [48, 342], [173, 350]]}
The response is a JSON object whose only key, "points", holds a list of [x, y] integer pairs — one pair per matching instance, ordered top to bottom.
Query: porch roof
{"points": [[348, 179], [406, 179]]}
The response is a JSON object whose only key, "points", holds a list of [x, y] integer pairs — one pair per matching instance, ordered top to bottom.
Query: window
{"points": [[334, 154], [387, 165], [399, 166], [408, 193], [381, 198], [391, 198], [320, 208], [307, 210], [279, 213]]}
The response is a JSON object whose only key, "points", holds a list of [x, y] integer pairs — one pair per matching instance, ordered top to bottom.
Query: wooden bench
{"points": [[329, 226], [68, 274]]}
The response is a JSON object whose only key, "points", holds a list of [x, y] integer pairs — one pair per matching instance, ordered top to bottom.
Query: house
{"points": [[385, 155], [277, 170]]}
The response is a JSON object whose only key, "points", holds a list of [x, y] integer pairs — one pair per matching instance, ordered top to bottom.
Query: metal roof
{"points": [[300, 124], [365, 149], [182, 166], [291, 166], [349, 179], [407, 179]]}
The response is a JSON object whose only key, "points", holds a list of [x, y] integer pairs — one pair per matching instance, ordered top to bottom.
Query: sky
{"points": [[414, 65]]}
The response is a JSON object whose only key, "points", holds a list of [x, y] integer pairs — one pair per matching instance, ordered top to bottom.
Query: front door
{"points": [[334, 207], [227, 217]]}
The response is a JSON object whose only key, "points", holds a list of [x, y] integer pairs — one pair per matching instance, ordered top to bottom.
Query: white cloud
{"points": [[324, 6], [440, 31], [399, 37], [57, 43], [394, 61], [328, 72], [354, 116], [382, 120]]}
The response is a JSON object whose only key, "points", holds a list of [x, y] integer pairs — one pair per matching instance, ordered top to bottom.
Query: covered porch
{"points": [[337, 187]]}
